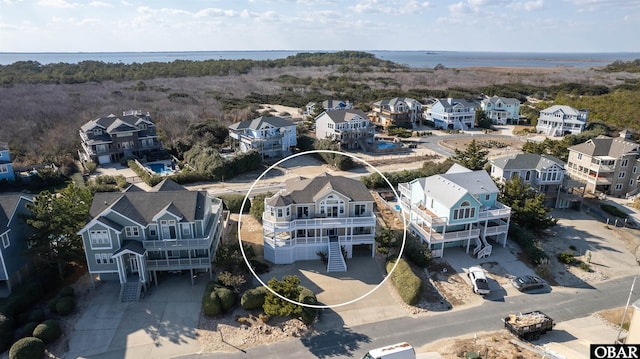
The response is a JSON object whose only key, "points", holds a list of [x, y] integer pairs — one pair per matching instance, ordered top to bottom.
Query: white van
{"points": [[396, 351]]}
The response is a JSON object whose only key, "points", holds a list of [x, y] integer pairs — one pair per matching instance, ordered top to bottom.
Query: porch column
{"points": [[504, 240], [468, 244], [141, 268], [121, 274]]}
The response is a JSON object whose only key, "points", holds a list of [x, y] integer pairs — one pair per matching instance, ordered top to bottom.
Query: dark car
{"points": [[527, 282]]}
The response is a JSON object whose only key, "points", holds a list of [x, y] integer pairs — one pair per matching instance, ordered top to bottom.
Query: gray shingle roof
{"points": [[506, 100], [450, 102], [339, 116], [258, 122], [118, 123], [606, 146], [523, 161], [303, 190], [8, 204], [143, 206]]}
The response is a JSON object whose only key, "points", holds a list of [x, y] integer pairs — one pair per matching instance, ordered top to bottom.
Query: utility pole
{"points": [[624, 314]]}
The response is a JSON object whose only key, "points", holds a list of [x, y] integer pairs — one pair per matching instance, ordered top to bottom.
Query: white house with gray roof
{"points": [[329, 105], [501, 110], [398, 111], [452, 114], [560, 120], [351, 128], [272, 137], [112, 138], [607, 165], [544, 173], [457, 209], [322, 214], [134, 236]]}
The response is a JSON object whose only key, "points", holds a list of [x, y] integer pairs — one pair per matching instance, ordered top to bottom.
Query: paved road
{"points": [[562, 305]]}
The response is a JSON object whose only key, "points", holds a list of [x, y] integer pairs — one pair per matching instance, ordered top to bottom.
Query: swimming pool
{"points": [[383, 145], [159, 168]]}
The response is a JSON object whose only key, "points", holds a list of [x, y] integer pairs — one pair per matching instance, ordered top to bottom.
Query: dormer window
{"points": [[142, 126], [97, 131]]}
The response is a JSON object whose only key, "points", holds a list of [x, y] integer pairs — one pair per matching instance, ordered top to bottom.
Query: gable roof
{"points": [[396, 100], [506, 100], [449, 102], [562, 108], [340, 116], [113, 123], [257, 123], [606, 146], [523, 161], [303, 190], [141, 207], [8, 208]]}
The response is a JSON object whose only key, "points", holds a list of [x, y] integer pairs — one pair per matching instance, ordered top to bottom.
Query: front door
{"points": [[133, 264]]}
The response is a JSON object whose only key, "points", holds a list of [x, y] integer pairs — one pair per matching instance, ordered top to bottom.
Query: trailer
{"points": [[528, 326]]}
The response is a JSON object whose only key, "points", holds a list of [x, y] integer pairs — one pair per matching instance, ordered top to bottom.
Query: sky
{"points": [[224, 25]]}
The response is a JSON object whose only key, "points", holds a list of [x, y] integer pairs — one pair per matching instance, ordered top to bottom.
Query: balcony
{"points": [[601, 168], [498, 211], [430, 218], [337, 222], [213, 230], [436, 237], [301, 241], [178, 263]]}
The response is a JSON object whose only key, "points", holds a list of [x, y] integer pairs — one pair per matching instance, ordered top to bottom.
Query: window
{"points": [[97, 131], [579, 156], [624, 163], [635, 169], [621, 175], [527, 176], [631, 182], [618, 186], [487, 197], [360, 209], [465, 211], [279, 212], [303, 212], [168, 228], [186, 229], [153, 230], [131, 231], [99, 238], [5, 241], [104, 258]]}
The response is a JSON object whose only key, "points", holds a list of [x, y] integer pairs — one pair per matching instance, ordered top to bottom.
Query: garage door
{"points": [[104, 159]]}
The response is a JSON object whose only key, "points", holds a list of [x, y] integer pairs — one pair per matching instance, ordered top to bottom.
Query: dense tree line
{"points": [[626, 66], [98, 71]]}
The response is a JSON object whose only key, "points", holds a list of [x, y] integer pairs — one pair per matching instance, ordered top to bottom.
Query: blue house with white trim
{"points": [[6, 165], [14, 231]]}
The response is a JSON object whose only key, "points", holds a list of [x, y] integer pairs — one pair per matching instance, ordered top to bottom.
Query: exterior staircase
{"points": [[335, 261], [131, 291]]}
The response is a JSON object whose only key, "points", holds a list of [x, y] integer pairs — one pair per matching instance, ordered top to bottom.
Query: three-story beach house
{"points": [[501, 110], [398, 111], [452, 114], [560, 120], [350, 128], [272, 137], [112, 138], [6, 164], [606, 165], [544, 173], [457, 209], [328, 214], [14, 234], [132, 236]]}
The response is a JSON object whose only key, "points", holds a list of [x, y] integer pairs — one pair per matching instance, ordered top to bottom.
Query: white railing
{"points": [[602, 168], [404, 189], [499, 212], [431, 221], [295, 224], [496, 230], [432, 236], [356, 238], [292, 242], [177, 244], [178, 263]]}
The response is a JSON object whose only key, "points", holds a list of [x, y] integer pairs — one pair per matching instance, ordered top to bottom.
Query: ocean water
{"points": [[414, 59]]}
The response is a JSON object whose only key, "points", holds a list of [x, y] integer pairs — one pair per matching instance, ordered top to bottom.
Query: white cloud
{"points": [[62, 4], [100, 4], [527, 5], [390, 7], [210, 12], [88, 21]]}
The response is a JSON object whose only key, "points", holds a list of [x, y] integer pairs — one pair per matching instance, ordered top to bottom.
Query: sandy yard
{"points": [[497, 146]]}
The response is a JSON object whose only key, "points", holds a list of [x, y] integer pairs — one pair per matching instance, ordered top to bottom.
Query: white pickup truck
{"points": [[479, 281]]}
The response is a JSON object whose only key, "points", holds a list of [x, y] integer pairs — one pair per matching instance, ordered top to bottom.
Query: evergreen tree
{"points": [[473, 158], [527, 206], [56, 219], [288, 287]]}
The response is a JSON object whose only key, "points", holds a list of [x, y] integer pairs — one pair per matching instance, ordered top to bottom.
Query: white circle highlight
{"points": [[316, 306]]}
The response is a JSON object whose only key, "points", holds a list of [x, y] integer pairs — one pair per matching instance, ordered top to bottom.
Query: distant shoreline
{"points": [[412, 59]]}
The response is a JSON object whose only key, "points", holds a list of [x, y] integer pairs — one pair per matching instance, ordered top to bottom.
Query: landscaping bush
{"points": [[233, 202], [614, 211], [525, 238], [417, 251], [566, 257], [258, 266], [407, 283], [67, 292], [306, 296], [227, 298], [253, 298], [211, 304], [65, 306], [36, 315], [27, 329], [48, 331], [6, 332], [27, 348]]}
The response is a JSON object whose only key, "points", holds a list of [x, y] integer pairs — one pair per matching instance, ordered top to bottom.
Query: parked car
{"points": [[479, 281], [527, 282], [402, 350]]}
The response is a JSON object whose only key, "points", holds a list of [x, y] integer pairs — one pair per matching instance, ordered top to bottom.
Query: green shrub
{"points": [[233, 202], [614, 211], [417, 251], [566, 257], [258, 266], [585, 266], [407, 283], [67, 292], [306, 296], [227, 297], [253, 298], [211, 304], [65, 306], [36, 315], [27, 329], [6, 331], [48, 331], [27, 348]]}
